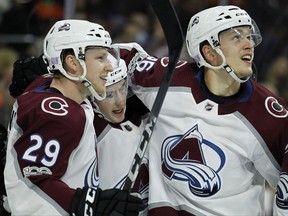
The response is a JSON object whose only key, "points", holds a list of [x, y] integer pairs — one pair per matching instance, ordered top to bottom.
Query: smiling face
{"points": [[237, 46], [98, 66], [113, 107]]}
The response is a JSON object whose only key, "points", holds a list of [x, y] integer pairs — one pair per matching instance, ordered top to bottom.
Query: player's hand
{"points": [[24, 72], [3, 138], [96, 202]]}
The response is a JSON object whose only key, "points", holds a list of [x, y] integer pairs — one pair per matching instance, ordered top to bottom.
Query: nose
{"points": [[248, 40], [248, 44], [108, 67], [120, 98]]}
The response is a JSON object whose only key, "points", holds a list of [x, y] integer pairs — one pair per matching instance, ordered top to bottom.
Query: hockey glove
{"points": [[24, 72], [3, 137], [97, 202]]}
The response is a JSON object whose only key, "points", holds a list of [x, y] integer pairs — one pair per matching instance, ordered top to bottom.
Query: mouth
{"points": [[248, 58], [104, 79], [118, 111]]}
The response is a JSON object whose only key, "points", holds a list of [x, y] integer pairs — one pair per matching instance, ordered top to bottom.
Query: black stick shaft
{"points": [[174, 37]]}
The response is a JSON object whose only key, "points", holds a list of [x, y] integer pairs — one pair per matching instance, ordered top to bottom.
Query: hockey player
{"points": [[118, 118], [118, 129], [219, 134], [51, 150]]}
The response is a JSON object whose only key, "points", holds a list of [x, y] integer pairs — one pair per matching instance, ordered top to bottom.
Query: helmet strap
{"points": [[226, 67], [231, 72], [87, 83], [97, 109]]}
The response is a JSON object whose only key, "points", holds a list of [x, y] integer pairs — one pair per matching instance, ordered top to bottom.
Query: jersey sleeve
{"points": [[147, 71]]}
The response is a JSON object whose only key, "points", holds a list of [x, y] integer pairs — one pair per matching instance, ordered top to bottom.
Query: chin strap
{"points": [[226, 67], [231, 72], [85, 81], [88, 84], [91, 89], [97, 110]]}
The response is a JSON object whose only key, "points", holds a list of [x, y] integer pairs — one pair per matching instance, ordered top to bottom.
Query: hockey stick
{"points": [[174, 38]]}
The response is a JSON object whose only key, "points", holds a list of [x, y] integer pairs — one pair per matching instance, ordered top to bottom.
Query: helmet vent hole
{"points": [[52, 30]]}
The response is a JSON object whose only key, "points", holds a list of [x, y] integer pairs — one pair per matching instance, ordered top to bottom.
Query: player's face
{"points": [[238, 48], [98, 66], [113, 106]]}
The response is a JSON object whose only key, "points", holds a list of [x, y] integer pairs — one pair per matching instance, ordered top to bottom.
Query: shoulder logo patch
{"points": [[55, 106], [275, 108]]}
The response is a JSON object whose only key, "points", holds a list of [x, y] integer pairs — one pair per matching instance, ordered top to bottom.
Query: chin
{"points": [[246, 73], [121, 118], [117, 119]]}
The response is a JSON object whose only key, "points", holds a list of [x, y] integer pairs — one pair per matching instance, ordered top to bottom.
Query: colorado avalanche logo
{"points": [[194, 22], [64, 27], [55, 106], [275, 108], [183, 159], [282, 192]]}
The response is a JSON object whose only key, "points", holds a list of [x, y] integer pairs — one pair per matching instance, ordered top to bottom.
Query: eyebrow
{"points": [[241, 28]]}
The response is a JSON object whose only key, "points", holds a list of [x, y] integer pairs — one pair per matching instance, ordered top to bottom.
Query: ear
{"points": [[209, 53], [71, 62], [72, 65]]}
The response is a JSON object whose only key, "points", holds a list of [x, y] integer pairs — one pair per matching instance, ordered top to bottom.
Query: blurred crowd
{"points": [[23, 23]]}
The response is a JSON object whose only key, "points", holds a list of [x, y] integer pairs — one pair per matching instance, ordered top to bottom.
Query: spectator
{"points": [[7, 59]]}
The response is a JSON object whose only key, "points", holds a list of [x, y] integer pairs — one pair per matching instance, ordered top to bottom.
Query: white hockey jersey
{"points": [[116, 147], [210, 155]]}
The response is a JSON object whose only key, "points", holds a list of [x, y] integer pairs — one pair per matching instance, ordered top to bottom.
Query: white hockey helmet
{"points": [[208, 24], [77, 35], [119, 70]]}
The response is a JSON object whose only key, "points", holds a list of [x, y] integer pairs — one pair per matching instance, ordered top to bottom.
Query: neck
{"points": [[220, 83], [74, 90]]}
